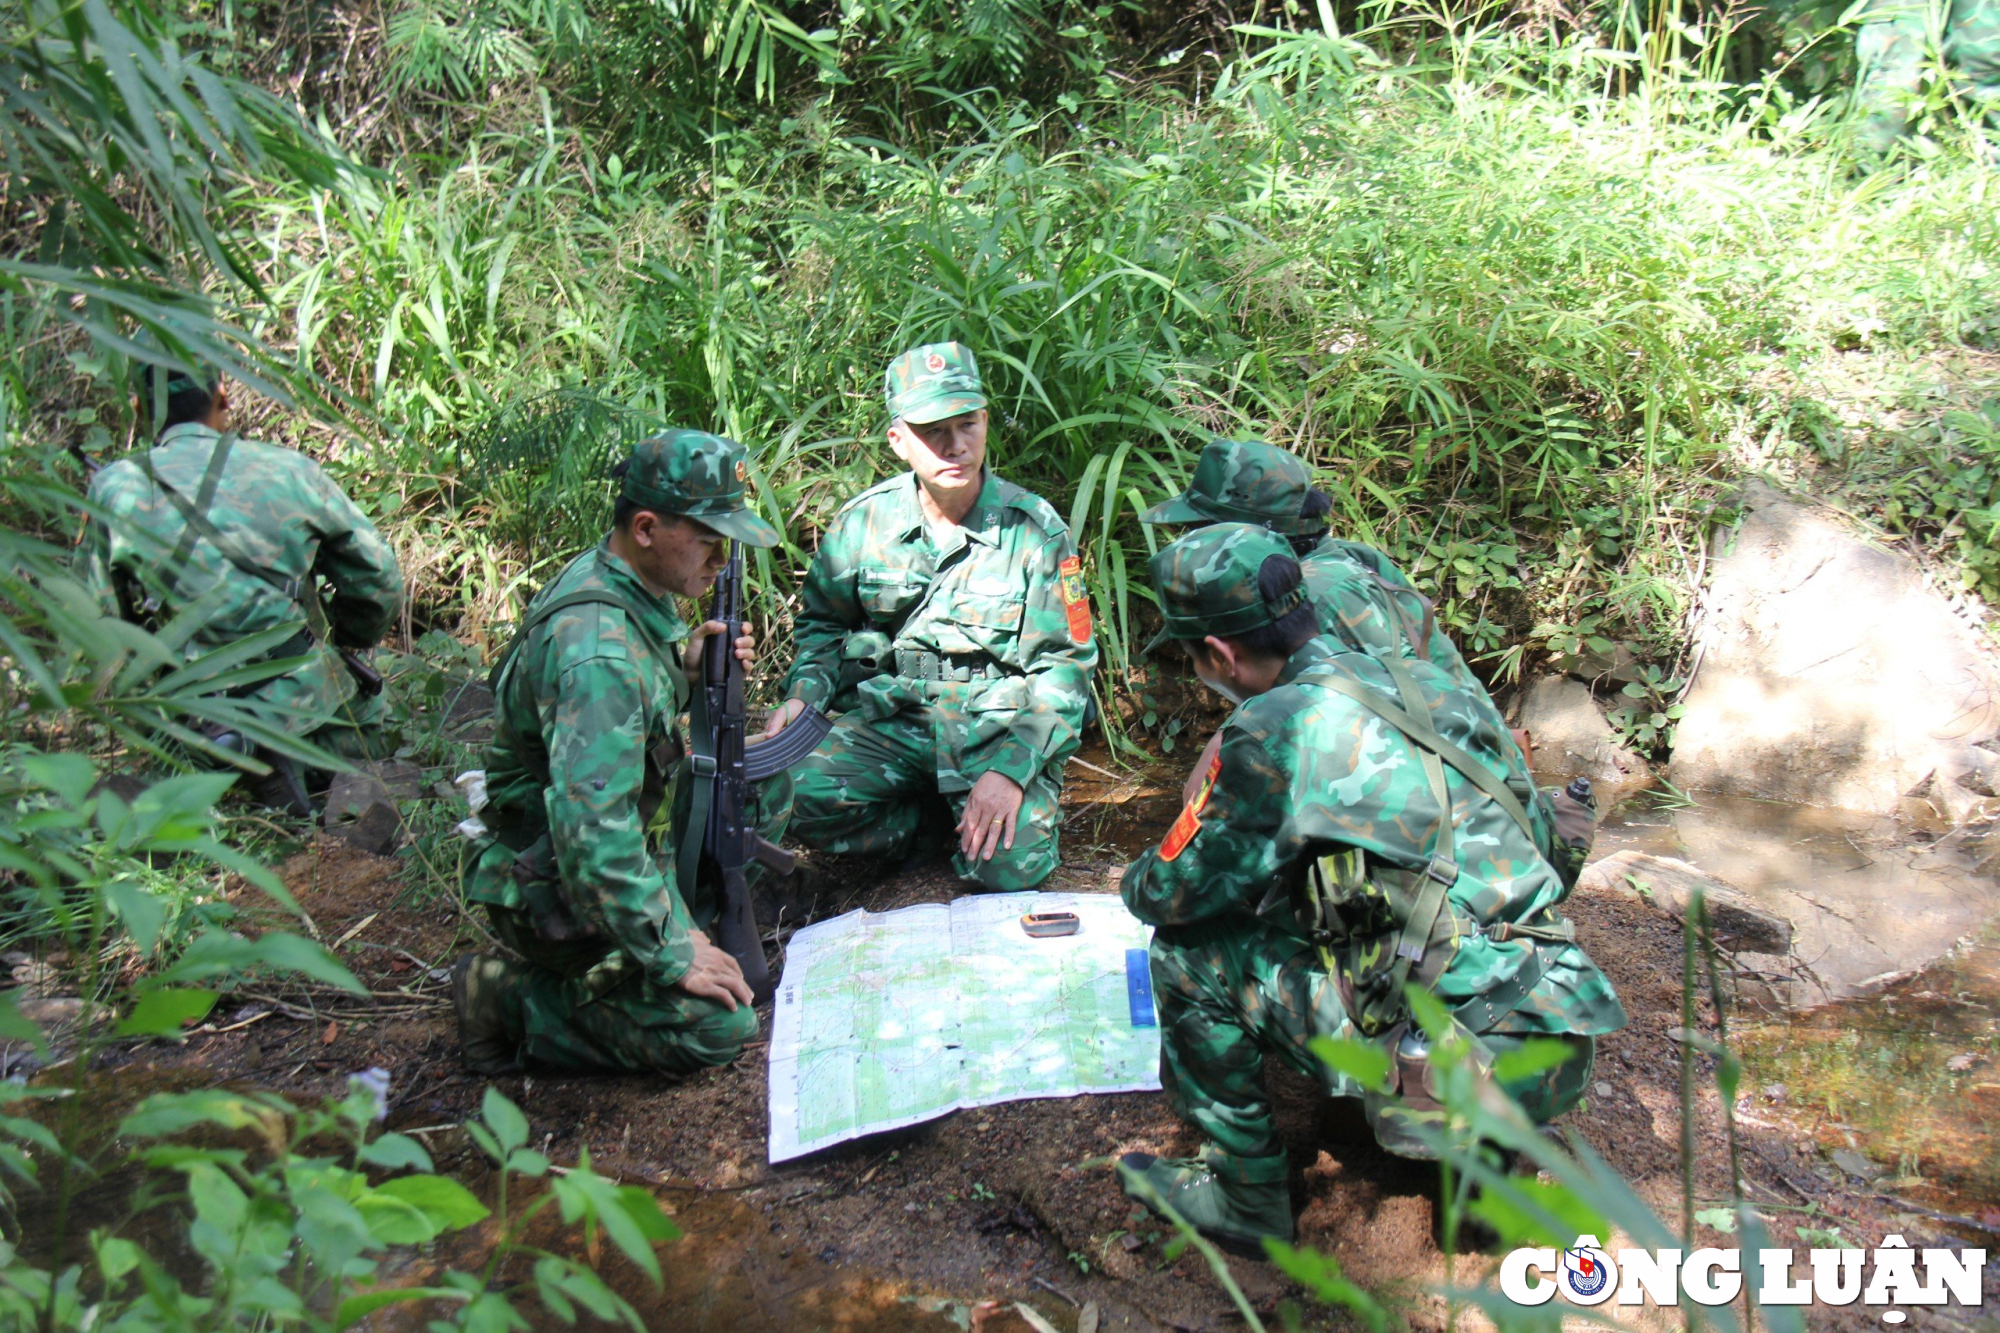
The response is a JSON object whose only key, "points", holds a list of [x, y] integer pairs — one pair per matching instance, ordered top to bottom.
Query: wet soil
{"points": [[1008, 1203]]}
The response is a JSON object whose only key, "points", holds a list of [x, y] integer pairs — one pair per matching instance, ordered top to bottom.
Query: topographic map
{"points": [[887, 1019]]}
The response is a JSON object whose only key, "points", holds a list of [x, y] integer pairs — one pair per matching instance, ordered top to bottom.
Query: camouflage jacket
{"points": [[279, 509], [1003, 596], [1365, 602], [587, 705], [1305, 772]]}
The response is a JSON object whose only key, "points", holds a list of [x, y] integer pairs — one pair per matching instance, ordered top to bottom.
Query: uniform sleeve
{"points": [[361, 566], [829, 611], [1059, 661], [597, 768], [1228, 846]]}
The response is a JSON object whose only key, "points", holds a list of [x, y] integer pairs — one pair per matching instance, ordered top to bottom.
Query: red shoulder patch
{"points": [[1076, 602], [1189, 823]]}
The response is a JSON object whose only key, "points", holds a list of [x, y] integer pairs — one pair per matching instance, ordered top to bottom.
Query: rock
{"points": [[1619, 666], [1827, 672], [469, 718], [1572, 739], [1971, 767], [400, 779], [1957, 804], [360, 810], [1739, 922], [1854, 1164]]}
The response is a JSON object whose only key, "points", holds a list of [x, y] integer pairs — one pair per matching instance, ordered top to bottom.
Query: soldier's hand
{"points": [[746, 644], [783, 716], [1201, 766], [990, 814], [714, 975]]}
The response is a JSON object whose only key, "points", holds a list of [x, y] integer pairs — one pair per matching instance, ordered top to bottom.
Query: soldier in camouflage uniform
{"points": [[1893, 44], [236, 533], [1359, 595], [944, 615], [1317, 871], [578, 873]]}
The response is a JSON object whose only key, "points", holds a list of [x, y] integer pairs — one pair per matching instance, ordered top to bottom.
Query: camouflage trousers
{"points": [[1896, 39], [863, 790], [1231, 992], [585, 1006]]}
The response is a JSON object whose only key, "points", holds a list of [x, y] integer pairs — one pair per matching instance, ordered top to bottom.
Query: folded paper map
{"points": [[888, 1019]]}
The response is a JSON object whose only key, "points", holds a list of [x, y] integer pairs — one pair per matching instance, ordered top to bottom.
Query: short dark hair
{"points": [[189, 397], [1317, 504], [623, 512], [1276, 577]]}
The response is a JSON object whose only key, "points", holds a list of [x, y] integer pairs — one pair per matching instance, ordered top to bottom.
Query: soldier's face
{"points": [[945, 454], [680, 555]]}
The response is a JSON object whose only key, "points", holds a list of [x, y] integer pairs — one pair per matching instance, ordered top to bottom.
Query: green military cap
{"points": [[932, 382], [699, 475], [1244, 481], [1207, 582]]}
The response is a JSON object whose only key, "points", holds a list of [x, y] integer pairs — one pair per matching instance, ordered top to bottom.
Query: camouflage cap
{"points": [[932, 382], [699, 475], [1245, 481], [1207, 582]]}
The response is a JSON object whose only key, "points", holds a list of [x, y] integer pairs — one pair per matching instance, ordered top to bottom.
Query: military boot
{"points": [[488, 1032], [1234, 1201]]}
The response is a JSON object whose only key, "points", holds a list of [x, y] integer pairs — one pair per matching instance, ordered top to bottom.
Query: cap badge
{"points": [[934, 362], [742, 473]]}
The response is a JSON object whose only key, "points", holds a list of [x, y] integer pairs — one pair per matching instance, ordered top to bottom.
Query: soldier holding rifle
{"points": [[582, 875]]}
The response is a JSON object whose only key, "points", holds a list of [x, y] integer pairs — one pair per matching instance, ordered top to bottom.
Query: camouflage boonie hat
{"points": [[932, 382], [699, 475], [1243, 481], [1207, 583]]}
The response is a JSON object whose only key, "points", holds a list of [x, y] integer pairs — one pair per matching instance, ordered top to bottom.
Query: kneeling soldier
{"points": [[1362, 600], [945, 617], [1363, 826], [579, 875]]}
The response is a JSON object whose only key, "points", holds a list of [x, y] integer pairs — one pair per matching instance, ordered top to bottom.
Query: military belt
{"points": [[921, 664]]}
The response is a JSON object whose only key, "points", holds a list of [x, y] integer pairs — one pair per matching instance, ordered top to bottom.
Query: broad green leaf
{"points": [[165, 1010], [1533, 1056], [1365, 1063], [504, 1118], [392, 1152], [446, 1202], [1535, 1212], [362, 1304]]}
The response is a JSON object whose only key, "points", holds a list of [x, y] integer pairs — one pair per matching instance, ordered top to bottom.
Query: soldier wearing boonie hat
{"points": [[1358, 594], [945, 617], [1325, 859], [577, 871]]}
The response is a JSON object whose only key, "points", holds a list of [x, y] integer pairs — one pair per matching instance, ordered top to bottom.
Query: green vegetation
{"points": [[1527, 293]]}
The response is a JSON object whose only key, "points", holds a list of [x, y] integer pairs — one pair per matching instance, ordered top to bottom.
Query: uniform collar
{"points": [[186, 431], [981, 523], [624, 578], [1310, 654]]}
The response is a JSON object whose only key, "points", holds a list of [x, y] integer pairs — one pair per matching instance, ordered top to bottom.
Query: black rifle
{"points": [[724, 766]]}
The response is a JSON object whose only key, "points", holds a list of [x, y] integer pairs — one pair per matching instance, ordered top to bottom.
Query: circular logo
{"points": [[934, 363], [742, 473], [1586, 1275]]}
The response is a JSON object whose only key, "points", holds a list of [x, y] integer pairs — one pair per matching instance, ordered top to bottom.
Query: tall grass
{"points": [[1517, 323]]}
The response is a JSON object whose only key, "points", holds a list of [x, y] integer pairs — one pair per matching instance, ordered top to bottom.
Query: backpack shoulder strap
{"points": [[581, 597], [1417, 727]]}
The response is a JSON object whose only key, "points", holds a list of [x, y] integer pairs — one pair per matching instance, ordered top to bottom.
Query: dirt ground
{"points": [[898, 1230]]}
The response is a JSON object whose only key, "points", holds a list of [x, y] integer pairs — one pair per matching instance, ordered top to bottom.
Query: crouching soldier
{"points": [[1359, 596], [944, 615], [1361, 827], [579, 876]]}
